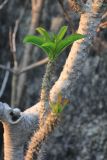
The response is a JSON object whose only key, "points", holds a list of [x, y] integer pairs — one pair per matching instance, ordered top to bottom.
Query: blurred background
{"points": [[82, 133]]}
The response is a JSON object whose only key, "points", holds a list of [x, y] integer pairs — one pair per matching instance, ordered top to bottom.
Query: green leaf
{"points": [[43, 32], [61, 33], [53, 37], [36, 40], [67, 41], [52, 44], [50, 47], [56, 108], [60, 109]]}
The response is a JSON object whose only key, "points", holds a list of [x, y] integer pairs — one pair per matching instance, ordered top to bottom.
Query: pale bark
{"points": [[89, 22], [18, 127]]}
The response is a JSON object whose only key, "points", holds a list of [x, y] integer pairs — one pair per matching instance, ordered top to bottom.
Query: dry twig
{"points": [[36, 13], [13, 51], [34, 65], [7, 68], [26, 69], [3, 86]]}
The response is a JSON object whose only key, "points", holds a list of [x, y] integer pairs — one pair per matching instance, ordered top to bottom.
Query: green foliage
{"points": [[52, 44], [59, 105]]}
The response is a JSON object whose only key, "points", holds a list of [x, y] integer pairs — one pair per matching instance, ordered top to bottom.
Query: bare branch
{"points": [[3, 4], [36, 13], [14, 42], [13, 50], [37, 64], [7, 68], [26, 69], [14, 77], [4, 81]]}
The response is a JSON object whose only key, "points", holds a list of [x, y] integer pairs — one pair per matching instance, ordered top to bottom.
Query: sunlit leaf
{"points": [[43, 32], [61, 33], [53, 37], [36, 40], [67, 41], [52, 44]]}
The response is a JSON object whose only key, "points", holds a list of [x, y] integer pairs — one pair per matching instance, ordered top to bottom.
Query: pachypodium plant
{"points": [[52, 44]]}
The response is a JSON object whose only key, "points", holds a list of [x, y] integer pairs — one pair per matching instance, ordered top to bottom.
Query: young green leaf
{"points": [[43, 32], [61, 33], [53, 37], [36, 40], [67, 41], [50, 45], [59, 105]]}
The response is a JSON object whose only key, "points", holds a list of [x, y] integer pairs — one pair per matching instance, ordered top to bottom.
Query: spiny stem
{"points": [[46, 84], [47, 120], [41, 135]]}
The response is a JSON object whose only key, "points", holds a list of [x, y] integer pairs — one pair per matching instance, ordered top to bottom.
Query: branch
{"points": [[3, 4], [36, 13], [89, 22], [12, 40], [13, 50], [34, 65], [7, 68], [26, 69], [4, 82]]}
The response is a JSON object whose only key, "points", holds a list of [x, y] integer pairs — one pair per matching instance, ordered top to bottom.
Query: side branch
{"points": [[3, 4]]}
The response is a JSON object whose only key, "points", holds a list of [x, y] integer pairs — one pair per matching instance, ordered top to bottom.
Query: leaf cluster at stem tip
{"points": [[52, 44]]}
